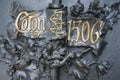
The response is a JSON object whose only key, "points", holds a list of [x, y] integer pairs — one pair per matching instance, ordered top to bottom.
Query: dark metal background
{"points": [[110, 53]]}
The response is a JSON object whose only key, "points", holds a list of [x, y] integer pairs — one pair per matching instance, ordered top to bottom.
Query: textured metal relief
{"points": [[39, 43]]}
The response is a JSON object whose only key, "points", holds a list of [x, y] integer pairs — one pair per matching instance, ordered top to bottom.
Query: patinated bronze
{"points": [[40, 43]]}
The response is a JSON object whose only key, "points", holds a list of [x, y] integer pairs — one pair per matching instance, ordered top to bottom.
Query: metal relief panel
{"points": [[45, 44]]}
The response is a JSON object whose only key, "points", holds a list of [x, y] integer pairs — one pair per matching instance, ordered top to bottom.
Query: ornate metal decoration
{"points": [[59, 40]]}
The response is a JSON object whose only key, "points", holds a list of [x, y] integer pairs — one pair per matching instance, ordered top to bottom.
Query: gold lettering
{"points": [[18, 19], [57, 21], [26, 22], [34, 24], [41, 24], [75, 27], [85, 28], [69, 29], [86, 31], [95, 34]]}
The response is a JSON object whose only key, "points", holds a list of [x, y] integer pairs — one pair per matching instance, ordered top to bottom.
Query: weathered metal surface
{"points": [[42, 58]]}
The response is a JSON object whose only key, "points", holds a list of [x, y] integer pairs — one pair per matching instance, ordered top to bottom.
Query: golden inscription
{"points": [[57, 21], [26, 22], [84, 31]]}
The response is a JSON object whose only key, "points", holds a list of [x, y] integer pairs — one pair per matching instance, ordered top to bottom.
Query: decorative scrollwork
{"points": [[34, 58]]}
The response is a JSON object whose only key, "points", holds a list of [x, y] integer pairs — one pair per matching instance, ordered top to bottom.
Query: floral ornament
{"points": [[33, 59], [103, 67]]}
